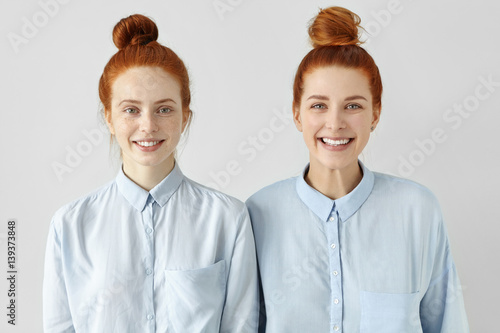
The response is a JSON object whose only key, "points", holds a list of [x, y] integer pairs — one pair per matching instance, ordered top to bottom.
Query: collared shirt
{"points": [[180, 258], [375, 260]]}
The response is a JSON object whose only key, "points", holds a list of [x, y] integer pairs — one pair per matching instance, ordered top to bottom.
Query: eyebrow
{"points": [[321, 97], [325, 98], [351, 98], [134, 101]]}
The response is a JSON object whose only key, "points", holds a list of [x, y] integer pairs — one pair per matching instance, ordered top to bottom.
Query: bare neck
{"points": [[148, 177], [334, 183]]}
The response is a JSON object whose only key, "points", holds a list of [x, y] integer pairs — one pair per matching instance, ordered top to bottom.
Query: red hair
{"points": [[334, 36], [135, 37]]}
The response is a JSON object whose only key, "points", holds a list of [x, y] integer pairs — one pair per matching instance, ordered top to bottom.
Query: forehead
{"points": [[336, 81], [144, 83]]}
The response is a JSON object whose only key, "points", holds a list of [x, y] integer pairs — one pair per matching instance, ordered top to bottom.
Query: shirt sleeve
{"points": [[442, 307], [241, 308], [262, 309], [56, 312]]}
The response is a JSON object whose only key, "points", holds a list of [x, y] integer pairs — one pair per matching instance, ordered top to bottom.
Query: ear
{"points": [[107, 116], [376, 116], [186, 119], [297, 119]]}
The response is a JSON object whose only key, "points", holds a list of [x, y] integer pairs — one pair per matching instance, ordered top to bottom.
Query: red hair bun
{"points": [[335, 26], [134, 30]]}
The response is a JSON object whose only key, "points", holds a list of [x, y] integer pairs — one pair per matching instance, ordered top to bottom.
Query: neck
{"points": [[148, 177], [334, 183]]}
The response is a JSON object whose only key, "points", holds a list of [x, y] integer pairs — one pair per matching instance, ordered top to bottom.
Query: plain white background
{"points": [[440, 119]]}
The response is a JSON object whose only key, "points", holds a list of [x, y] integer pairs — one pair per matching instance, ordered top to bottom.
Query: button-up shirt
{"points": [[180, 258], [375, 260]]}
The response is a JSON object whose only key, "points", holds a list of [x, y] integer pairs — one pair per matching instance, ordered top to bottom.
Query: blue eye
{"points": [[318, 106], [353, 106], [130, 110], [165, 110]]}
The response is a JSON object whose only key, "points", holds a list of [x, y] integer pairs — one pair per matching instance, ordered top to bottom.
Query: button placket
{"points": [[148, 224], [336, 310]]}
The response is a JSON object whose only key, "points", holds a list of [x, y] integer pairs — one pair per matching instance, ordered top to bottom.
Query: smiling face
{"points": [[335, 115], [146, 117]]}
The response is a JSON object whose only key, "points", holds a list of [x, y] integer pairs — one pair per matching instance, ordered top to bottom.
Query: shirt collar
{"points": [[138, 197], [346, 206]]}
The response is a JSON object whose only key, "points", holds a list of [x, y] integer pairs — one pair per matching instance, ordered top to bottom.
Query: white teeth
{"points": [[335, 142], [147, 143]]}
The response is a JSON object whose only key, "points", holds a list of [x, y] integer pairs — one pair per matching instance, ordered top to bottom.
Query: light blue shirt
{"points": [[180, 258], [375, 260]]}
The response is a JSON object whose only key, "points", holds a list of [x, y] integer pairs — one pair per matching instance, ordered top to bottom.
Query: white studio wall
{"points": [[439, 125]]}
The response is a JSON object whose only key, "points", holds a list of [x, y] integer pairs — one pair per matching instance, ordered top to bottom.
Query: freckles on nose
{"points": [[147, 122]]}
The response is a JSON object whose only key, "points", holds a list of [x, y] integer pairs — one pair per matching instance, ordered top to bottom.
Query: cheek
{"points": [[361, 123], [312, 124], [124, 126], [172, 126]]}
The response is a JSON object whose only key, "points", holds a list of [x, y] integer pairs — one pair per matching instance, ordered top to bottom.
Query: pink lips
{"points": [[340, 147], [148, 148]]}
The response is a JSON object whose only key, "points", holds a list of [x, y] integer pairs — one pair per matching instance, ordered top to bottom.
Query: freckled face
{"points": [[335, 116], [146, 117]]}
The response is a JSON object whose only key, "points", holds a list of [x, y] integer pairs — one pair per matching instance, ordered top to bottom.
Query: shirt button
{"points": [[331, 219], [149, 230], [333, 246], [149, 271], [335, 273], [336, 301], [150, 317], [335, 328]]}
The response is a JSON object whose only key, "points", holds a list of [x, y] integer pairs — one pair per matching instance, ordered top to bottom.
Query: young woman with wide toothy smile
{"points": [[336, 115], [348, 248]]}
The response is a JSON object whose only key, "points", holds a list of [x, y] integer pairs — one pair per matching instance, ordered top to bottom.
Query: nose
{"points": [[335, 119], [148, 122]]}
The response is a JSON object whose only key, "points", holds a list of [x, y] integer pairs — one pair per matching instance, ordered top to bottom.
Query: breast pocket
{"points": [[195, 298], [390, 313]]}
